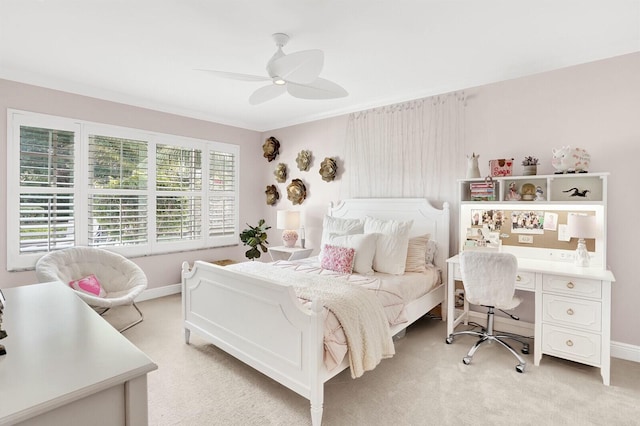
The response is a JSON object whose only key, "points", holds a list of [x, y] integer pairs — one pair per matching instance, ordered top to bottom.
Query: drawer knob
{"points": [[518, 278], [570, 285], [569, 311], [569, 343]]}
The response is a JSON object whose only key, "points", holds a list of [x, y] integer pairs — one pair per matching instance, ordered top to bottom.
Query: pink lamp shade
{"points": [[288, 220]]}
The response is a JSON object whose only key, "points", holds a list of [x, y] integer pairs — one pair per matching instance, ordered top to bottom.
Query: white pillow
{"points": [[340, 226], [391, 246], [365, 247]]}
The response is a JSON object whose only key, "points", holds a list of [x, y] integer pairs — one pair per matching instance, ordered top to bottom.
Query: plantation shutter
{"points": [[46, 189], [179, 193], [222, 194], [117, 199]]}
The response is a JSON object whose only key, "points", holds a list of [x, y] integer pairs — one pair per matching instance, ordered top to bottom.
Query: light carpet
{"points": [[425, 383]]}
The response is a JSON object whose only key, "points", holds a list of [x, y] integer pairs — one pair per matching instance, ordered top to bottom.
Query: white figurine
{"points": [[473, 171], [539, 194]]}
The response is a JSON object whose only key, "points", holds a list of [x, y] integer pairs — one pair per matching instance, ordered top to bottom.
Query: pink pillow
{"points": [[339, 259], [89, 285]]}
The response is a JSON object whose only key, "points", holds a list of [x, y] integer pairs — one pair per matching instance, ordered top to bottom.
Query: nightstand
{"points": [[289, 253]]}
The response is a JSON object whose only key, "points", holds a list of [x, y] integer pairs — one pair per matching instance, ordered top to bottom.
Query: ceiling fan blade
{"points": [[299, 67], [237, 76], [319, 89], [266, 93]]}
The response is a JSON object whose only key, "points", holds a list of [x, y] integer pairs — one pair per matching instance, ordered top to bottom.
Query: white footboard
{"points": [[261, 323]]}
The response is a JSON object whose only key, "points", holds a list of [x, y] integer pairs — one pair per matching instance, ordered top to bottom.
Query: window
{"points": [[134, 192]]}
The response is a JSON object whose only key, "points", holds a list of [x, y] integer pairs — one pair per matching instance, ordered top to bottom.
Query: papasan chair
{"points": [[101, 278]]}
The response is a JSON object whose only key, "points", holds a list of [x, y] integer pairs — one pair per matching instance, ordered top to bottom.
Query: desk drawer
{"points": [[526, 281], [572, 286], [586, 314], [574, 345]]}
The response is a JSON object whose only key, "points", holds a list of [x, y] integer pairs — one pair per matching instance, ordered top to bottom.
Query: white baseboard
{"points": [[154, 293], [618, 349], [625, 351]]}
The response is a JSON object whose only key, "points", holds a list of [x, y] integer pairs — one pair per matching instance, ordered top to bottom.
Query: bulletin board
{"points": [[535, 226]]}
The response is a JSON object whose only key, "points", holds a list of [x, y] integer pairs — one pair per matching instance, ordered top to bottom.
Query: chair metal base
{"points": [[136, 322], [487, 335]]}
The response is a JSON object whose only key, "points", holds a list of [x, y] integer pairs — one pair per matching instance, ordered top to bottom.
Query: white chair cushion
{"points": [[489, 278], [121, 279]]}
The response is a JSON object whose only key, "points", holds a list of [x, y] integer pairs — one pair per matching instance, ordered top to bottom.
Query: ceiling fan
{"points": [[296, 73]]}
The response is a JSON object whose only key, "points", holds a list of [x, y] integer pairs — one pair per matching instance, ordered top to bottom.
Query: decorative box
{"points": [[501, 167]]}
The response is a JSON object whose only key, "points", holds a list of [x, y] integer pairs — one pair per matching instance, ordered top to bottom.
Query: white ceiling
{"points": [[146, 52]]}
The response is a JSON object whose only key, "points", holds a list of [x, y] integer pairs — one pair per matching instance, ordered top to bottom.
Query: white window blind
{"points": [[46, 180], [134, 192], [223, 197], [117, 199]]}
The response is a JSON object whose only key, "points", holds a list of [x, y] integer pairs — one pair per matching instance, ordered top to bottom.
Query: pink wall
{"points": [[595, 106], [324, 138], [161, 270]]}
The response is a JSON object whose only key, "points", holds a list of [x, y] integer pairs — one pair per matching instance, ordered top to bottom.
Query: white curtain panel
{"points": [[413, 149]]}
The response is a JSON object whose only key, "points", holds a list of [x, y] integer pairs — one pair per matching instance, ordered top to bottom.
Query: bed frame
{"points": [[263, 324]]}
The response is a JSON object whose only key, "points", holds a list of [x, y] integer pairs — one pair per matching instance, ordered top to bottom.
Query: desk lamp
{"points": [[289, 221], [581, 226]]}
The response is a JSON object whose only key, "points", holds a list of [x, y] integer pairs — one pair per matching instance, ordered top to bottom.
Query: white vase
{"points": [[529, 170]]}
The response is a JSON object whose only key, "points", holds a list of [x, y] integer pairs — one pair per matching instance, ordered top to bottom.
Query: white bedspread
{"points": [[359, 311]]}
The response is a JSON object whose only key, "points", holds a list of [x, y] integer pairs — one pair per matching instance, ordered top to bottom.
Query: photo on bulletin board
{"points": [[492, 219], [550, 221], [527, 222]]}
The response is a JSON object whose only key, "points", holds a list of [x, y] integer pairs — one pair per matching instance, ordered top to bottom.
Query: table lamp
{"points": [[289, 221], [581, 226]]}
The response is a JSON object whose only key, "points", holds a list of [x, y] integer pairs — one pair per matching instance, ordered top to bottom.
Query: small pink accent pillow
{"points": [[339, 259], [89, 285]]}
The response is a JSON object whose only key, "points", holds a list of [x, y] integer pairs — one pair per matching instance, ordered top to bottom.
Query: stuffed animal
{"points": [[570, 160]]}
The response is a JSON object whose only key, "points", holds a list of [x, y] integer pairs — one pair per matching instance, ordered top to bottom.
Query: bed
{"points": [[262, 322]]}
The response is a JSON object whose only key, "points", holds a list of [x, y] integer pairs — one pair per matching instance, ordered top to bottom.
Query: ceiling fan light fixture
{"points": [[279, 81]]}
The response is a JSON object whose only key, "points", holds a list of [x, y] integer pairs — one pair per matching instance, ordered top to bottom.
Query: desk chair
{"points": [[489, 280]]}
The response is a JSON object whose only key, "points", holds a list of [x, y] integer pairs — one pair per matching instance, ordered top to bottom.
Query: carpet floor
{"points": [[425, 383]]}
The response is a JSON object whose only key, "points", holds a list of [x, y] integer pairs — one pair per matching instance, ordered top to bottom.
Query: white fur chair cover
{"points": [[489, 278], [122, 279]]}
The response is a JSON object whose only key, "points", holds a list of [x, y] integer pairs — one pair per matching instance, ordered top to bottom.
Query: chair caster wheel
{"points": [[449, 340], [525, 350], [466, 360], [520, 368]]}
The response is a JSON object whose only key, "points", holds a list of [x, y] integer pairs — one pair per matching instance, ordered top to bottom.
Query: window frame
{"points": [[81, 190]]}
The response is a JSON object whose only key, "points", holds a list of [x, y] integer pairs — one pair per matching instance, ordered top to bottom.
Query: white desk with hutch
{"points": [[572, 303]]}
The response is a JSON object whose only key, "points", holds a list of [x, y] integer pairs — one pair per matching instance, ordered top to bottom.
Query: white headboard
{"points": [[426, 218]]}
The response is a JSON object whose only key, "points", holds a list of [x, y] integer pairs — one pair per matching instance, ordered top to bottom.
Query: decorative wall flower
{"points": [[271, 148], [304, 160], [328, 169], [281, 173], [296, 191], [272, 195]]}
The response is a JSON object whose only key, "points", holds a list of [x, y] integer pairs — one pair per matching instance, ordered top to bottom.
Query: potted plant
{"points": [[530, 166], [255, 236]]}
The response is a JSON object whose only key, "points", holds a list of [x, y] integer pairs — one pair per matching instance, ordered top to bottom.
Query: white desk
{"points": [[572, 310], [66, 365]]}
